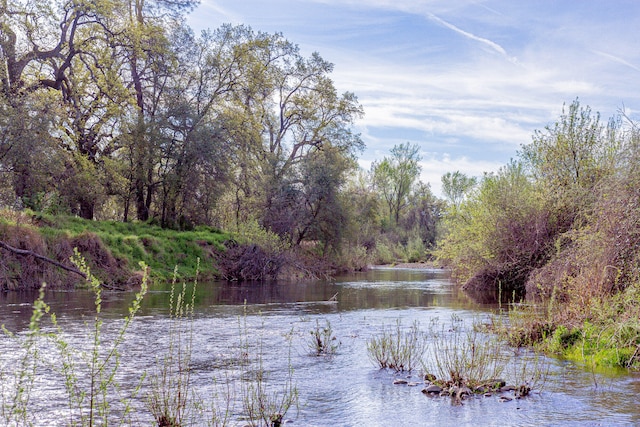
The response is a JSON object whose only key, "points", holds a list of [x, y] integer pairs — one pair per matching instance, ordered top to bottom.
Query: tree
{"points": [[40, 43], [144, 44], [95, 102], [123, 105], [288, 108], [196, 132], [569, 158], [30, 159], [323, 176], [394, 177], [456, 186], [308, 205], [363, 210], [423, 214], [500, 234]]}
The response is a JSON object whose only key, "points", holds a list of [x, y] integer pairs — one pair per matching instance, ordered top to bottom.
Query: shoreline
{"points": [[410, 265]]}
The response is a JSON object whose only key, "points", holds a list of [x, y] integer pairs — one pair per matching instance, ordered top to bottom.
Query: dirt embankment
{"points": [[28, 259]]}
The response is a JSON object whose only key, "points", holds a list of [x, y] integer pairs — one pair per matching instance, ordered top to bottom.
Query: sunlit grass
{"points": [[133, 242]]}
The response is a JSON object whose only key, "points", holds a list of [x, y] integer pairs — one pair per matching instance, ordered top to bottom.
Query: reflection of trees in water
{"points": [[373, 289]]}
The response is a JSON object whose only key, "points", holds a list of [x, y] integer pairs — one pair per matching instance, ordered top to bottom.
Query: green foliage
{"points": [[136, 112], [136, 116], [570, 157], [395, 176], [456, 186], [423, 215], [520, 218], [251, 232], [500, 233], [135, 242], [416, 250], [384, 253], [355, 258], [593, 277], [562, 338], [598, 345]]}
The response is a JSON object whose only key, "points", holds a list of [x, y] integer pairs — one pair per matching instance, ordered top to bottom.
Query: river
{"points": [[232, 321]]}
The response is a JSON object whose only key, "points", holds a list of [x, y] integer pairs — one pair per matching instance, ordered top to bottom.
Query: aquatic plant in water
{"points": [[323, 341], [397, 348]]}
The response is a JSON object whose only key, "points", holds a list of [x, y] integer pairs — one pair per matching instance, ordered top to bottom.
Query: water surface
{"points": [[275, 320]]}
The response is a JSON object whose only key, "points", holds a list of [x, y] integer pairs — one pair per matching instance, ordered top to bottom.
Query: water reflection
{"points": [[378, 288]]}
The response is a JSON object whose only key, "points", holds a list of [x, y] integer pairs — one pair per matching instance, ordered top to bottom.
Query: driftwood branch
{"points": [[26, 252]]}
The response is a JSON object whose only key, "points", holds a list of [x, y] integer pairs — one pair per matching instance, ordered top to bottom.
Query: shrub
{"points": [[499, 234], [323, 341], [398, 349], [466, 358], [89, 376], [170, 399]]}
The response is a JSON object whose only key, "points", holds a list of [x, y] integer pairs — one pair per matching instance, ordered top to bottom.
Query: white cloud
{"points": [[616, 59], [435, 165]]}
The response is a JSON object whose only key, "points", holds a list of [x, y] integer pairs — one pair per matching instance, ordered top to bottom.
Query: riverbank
{"points": [[37, 248], [113, 250], [411, 265], [597, 332]]}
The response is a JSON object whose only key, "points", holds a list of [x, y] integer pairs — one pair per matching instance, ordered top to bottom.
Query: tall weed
{"points": [[398, 349], [93, 391], [171, 399], [263, 403]]}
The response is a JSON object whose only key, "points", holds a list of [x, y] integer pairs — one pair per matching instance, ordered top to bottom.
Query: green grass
{"points": [[161, 249], [596, 345]]}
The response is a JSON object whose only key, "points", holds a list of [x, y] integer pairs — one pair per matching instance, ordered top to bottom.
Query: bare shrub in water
{"points": [[323, 341], [398, 349], [467, 358], [16, 388], [262, 403], [221, 404], [265, 406]]}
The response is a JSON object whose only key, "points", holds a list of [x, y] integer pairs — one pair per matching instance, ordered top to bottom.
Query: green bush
{"points": [[499, 234]]}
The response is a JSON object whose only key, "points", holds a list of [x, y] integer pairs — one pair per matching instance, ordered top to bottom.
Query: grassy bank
{"points": [[113, 249], [597, 332]]}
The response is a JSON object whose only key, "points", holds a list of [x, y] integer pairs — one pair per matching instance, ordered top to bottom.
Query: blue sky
{"points": [[468, 81]]}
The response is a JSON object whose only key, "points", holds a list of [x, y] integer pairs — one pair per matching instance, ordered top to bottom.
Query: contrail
{"points": [[491, 44], [616, 59]]}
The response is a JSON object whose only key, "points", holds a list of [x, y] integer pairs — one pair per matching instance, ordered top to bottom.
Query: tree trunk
{"points": [[141, 206], [86, 209]]}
